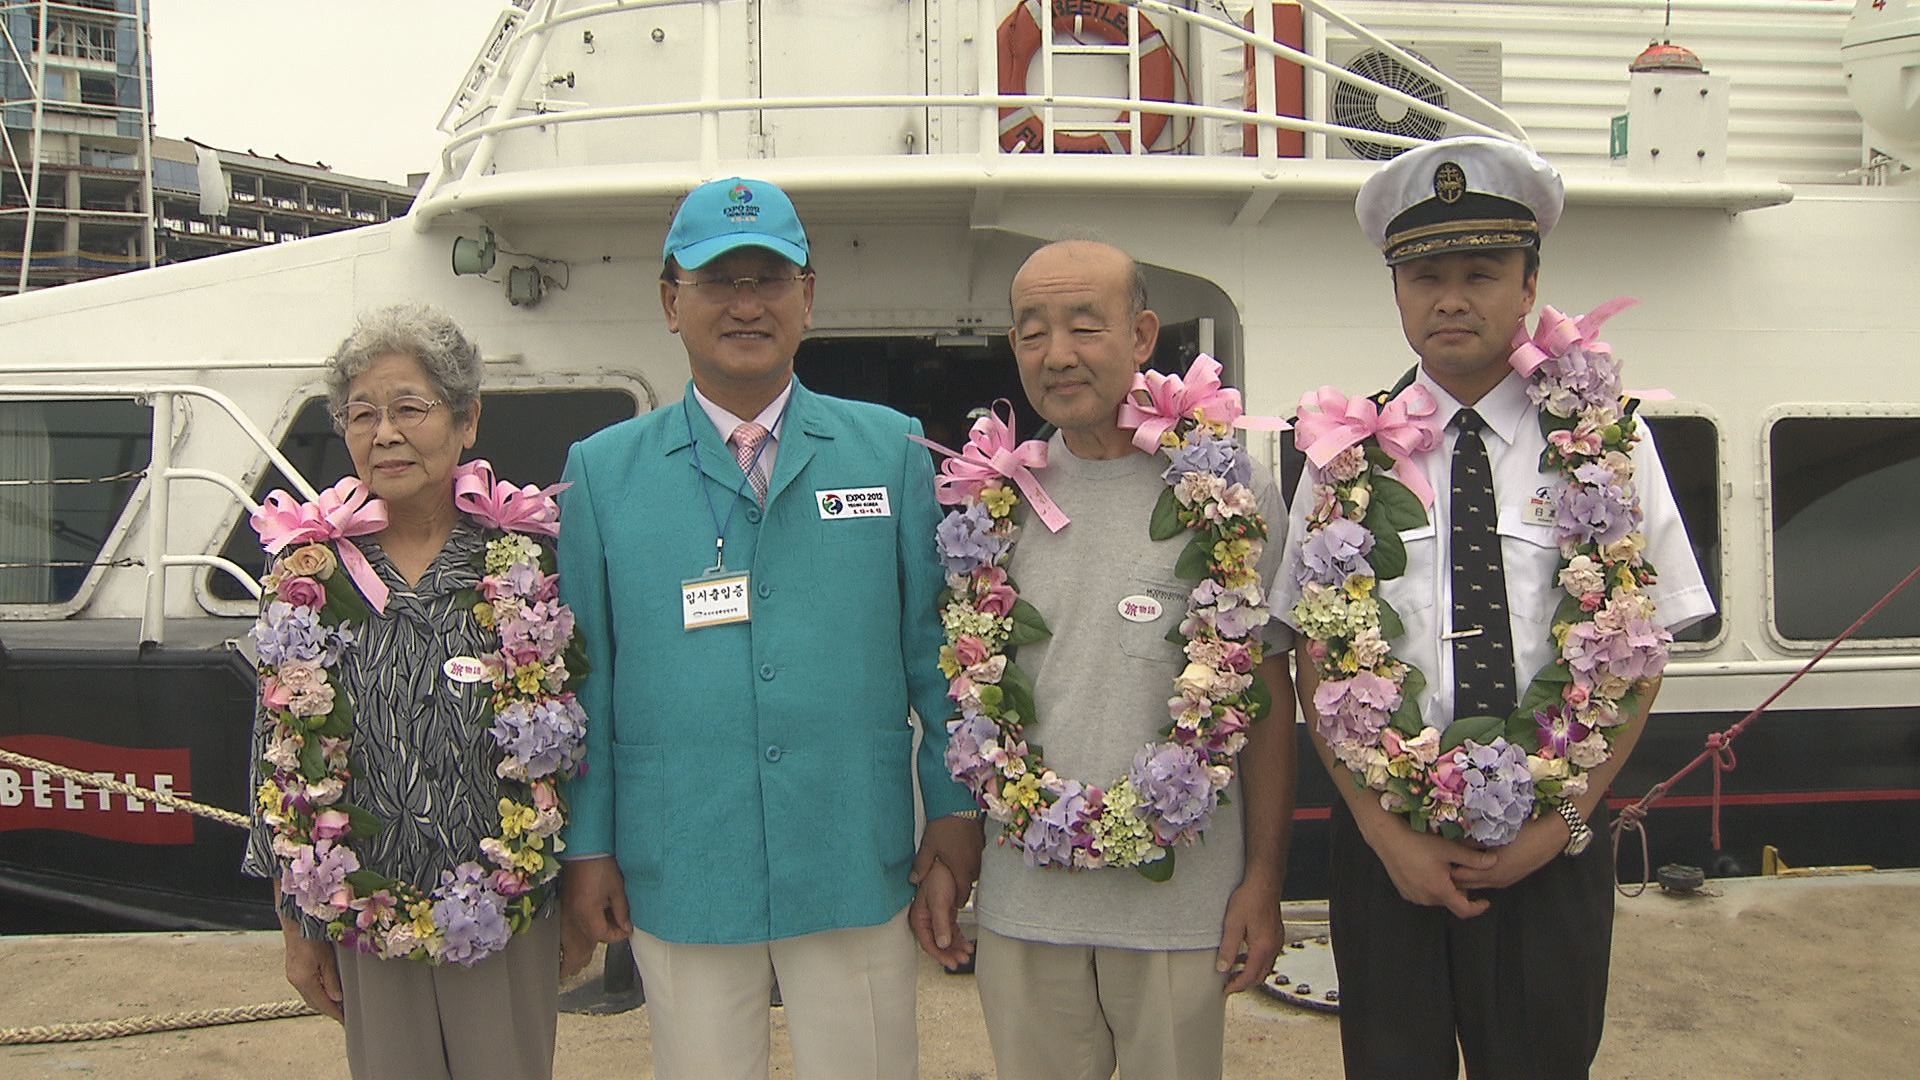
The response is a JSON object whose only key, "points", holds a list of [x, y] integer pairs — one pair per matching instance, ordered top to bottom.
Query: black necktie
{"points": [[1483, 661]]}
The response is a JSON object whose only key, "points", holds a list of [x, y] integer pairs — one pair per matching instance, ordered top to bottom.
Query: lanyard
{"points": [[719, 525]]}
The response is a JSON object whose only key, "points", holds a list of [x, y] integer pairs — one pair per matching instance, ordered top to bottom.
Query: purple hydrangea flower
{"points": [[1591, 377], [1213, 456], [1600, 513], [966, 540], [1336, 552], [290, 633], [1352, 711], [548, 736], [965, 736], [1175, 787], [1499, 791], [1052, 834], [315, 875], [470, 914]]}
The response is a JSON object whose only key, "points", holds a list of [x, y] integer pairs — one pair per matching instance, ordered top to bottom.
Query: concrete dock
{"points": [[1768, 977]]}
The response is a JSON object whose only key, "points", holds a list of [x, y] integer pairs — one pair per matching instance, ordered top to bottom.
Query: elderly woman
{"points": [[406, 824]]}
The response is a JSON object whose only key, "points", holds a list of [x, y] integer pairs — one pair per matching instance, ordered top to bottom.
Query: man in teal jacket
{"points": [[754, 575]]}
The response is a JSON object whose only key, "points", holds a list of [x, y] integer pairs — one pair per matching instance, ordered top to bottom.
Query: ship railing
{"points": [[512, 59], [155, 495]]}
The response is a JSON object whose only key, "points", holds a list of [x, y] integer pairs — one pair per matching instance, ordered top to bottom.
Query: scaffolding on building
{"points": [[76, 141]]}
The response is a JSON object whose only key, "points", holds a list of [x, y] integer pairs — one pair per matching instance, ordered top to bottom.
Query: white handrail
{"points": [[533, 36], [161, 473]]}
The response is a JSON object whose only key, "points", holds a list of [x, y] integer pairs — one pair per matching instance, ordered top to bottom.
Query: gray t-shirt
{"points": [[1101, 684]]}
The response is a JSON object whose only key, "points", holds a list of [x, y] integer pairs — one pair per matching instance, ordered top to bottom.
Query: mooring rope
{"points": [[1719, 751], [107, 783], [147, 1025]]}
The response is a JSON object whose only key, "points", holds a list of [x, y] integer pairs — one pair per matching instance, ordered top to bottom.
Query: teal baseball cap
{"points": [[738, 212]]}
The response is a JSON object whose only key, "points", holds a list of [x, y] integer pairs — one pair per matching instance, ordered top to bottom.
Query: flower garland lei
{"points": [[308, 624], [1484, 776], [1169, 794]]}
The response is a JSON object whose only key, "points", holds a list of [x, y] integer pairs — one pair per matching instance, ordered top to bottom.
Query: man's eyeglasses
{"points": [[721, 291], [363, 417]]}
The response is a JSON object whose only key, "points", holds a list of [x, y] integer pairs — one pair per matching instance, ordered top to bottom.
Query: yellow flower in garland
{"points": [[1000, 501], [1232, 553], [1359, 586], [483, 614], [949, 666], [530, 679], [1023, 793], [272, 801], [516, 819], [421, 914]]}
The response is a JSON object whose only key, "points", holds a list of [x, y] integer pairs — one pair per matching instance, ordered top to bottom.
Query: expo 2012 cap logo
{"points": [[740, 208]]}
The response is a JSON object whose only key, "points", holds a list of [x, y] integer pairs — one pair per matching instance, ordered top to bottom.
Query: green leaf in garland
{"points": [[1395, 505], [1165, 523], [1389, 555], [1195, 560], [941, 601], [344, 602], [1569, 609], [1390, 625], [1028, 626], [1174, 635], [1019, 692], [1541, 694], [1259, 698], [1630, 705], [1406, 718], [1481, 729], [1523, 731], [312, 765], [1417, 819], [363, 824], [1160, 869], [368, 882]]}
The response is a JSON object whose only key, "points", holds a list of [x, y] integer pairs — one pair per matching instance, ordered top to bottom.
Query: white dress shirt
{"points": [[773, 417], [1529, 551]]}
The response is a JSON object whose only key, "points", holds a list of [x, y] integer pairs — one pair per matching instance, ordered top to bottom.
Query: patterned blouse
{"points": [[422, 759]]}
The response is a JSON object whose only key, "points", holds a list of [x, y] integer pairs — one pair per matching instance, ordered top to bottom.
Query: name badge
{"points": [[845, 503], [1540, 509], [715, 600], [1139, 608], [464, 669]]}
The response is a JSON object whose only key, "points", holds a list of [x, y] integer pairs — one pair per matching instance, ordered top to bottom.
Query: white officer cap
{"points": [[1468, 193]]}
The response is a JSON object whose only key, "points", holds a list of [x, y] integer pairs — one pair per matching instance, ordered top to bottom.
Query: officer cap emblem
{"points": [[1449, 182]]}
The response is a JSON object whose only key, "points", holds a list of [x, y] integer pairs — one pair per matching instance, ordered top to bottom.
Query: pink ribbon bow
{"points": [[1557, 335], [1158, 402], [1330, 422], [992, 455], [500, 505], [344, 510]]}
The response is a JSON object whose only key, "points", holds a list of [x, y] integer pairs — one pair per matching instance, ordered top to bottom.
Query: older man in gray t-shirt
{"points": [[1080, 971]]}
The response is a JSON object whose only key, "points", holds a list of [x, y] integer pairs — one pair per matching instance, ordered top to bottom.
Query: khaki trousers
{"points": [[848, 995], [1073, 1012], [492, 1021]]}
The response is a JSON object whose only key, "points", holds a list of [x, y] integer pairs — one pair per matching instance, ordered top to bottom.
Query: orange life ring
{"points": [[1021, 129]]}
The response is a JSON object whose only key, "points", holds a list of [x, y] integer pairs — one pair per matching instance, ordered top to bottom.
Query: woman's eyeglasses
{"points": [[363, 417]]}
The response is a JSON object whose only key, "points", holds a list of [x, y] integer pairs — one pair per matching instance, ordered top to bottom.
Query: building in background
{"points": [[87, 191]]}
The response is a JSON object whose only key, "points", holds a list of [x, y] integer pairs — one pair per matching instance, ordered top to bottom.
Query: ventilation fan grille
{"points": [[1353, 106]]}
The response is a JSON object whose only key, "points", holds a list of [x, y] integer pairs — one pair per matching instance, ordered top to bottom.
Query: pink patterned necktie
{"points": [[746, 440]]}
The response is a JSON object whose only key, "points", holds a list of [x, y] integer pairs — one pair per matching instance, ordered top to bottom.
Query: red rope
{"points": [[1719, 748]]}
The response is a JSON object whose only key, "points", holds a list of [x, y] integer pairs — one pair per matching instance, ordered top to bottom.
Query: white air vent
{"points": [[1474, 64]]}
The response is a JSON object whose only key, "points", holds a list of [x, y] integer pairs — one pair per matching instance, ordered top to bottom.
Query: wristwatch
{"points": [[1579, 835]]}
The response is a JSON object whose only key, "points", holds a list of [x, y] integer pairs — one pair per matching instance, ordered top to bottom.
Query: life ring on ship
{"points": [[1021, 129]]}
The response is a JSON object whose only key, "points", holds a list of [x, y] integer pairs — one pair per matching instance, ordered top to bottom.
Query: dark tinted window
{"points": [[525, 434], [1690, 453], [67, 469], [1846, 524]]}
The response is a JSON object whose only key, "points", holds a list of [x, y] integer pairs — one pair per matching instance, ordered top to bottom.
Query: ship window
{"points": [[524, 433], [1690, 454], [69, 469], [1845, 527]]}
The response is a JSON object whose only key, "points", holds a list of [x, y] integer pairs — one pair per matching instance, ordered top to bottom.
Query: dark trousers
{"points": [[1520, 991]]}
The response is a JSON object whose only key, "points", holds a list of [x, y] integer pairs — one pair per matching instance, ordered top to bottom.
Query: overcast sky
{"points": [[357, 84]]}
